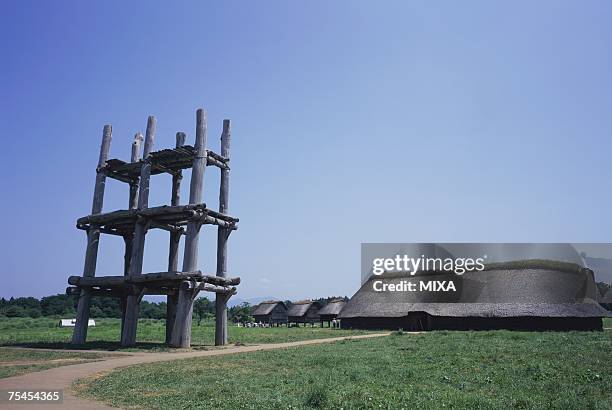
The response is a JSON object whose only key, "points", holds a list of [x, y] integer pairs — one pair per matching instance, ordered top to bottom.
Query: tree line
{"points": [[65, 306]]}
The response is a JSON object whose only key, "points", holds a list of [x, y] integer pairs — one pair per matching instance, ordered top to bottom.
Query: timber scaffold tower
{"points": [[181, 287]]}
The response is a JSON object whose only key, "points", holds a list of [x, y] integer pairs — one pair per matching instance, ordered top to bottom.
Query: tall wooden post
{"points": [[135, 157], [132, 204], [222, 236], [93, 237], [175, 239], [181, 333], [128, 335]]}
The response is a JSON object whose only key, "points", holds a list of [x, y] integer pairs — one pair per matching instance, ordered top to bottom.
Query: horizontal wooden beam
{"points": [[220, 158], [215, 162], [211, 220], [171, 279], [217, 280], [106, 281], [208, 287], [75, 291], [121, 292]]}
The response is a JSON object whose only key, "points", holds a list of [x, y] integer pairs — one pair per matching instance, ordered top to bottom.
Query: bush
{"points": [[15, 311], [95, 312], [316, 397]]}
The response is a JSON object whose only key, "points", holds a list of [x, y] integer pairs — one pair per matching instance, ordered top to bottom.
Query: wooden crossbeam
{"points": [[115, 281], [122, 292]]}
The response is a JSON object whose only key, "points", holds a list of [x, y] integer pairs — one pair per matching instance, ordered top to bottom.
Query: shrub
{"points": [[316, 397]]}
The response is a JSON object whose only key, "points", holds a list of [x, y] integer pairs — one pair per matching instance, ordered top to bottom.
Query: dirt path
{"points": [[55, 361], [61, 378]]}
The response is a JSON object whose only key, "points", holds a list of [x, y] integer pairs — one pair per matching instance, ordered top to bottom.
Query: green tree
{"points": [[58, 305], [203, 308], [150, 310], [15, 311], [95, 312], [240, 313]]}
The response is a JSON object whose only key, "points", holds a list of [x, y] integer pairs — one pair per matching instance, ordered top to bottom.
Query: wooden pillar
{"points": [[176, 200], [132, 204], [222, 236], [93, 237], [175, 239], [181, 333], [128, 334]]}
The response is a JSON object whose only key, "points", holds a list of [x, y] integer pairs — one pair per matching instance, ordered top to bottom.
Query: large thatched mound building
{"points": [[523, 295], [305, 311], [272, 312]]}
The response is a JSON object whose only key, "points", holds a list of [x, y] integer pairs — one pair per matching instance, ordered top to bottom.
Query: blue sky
{"points": [[352, 122]]}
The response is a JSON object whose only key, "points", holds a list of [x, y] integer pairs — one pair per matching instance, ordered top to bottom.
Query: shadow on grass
{"points": [[107, 346]]}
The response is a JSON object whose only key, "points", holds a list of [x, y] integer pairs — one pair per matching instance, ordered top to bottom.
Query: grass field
{"points": [[44, 332], [14, 362], [498, 369]]}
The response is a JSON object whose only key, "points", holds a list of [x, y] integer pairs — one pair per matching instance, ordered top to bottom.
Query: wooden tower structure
{"points": [[181, 287]]}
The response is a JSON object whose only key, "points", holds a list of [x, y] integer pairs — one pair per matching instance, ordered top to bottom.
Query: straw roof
{"points": [[491, 293], [301, 307], [333, 307], [265, 308]]}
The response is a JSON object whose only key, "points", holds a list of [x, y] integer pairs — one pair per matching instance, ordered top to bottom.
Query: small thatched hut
{"points": [[305, 311], [331, 311], [273, 312]]}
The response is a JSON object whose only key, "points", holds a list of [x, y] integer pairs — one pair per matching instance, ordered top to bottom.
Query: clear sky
{"points": [[352, 122]]}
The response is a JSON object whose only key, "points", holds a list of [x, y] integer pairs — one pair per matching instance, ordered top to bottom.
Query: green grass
{"points": [[607, 322], [44, 332], [14, 362], [471, 370]]}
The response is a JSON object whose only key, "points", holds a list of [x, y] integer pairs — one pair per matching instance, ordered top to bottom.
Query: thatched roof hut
{"points": [[511, 296], [271, 311], [305, 311], [331, 311]]}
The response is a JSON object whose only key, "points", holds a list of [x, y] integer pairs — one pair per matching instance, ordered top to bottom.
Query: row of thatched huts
{"points": [[276, 312]]}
